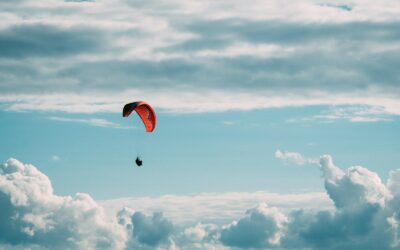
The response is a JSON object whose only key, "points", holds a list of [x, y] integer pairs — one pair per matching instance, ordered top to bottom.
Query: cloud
{"points": [[79, 1], [342, 6], [38, 40], [83, 57], [349, 113], [92, 122], [228, 123], [55, 157], [294, 158], [393, 183], [356, 186], [211, 208], [32, 215], [365, 215], [361, 219], [261, 228], [349, 229], [151, 230], [146, 231], [199, 232], [200, 236]]}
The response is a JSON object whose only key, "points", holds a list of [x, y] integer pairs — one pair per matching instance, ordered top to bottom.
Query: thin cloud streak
{"points": [[195, 102], [354, 114], [91, 121], [55, 158]]}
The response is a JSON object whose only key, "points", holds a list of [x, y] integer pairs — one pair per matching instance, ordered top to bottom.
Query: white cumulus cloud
{"points": [[30, 213], [365, 216], [261, 228]]}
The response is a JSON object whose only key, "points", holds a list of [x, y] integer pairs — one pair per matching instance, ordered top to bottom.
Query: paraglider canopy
{"points": [[145, 112]]}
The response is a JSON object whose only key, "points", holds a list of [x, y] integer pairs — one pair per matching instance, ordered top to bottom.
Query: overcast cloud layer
{"points": [[191, 56], [365, 216]]}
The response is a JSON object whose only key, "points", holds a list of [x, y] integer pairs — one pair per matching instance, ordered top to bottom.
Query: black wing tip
{"points": [[128, 108]]}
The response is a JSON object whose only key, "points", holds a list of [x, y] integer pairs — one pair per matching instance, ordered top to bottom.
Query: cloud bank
{"points": [[190, 56], [212, 207], [365, 216]]}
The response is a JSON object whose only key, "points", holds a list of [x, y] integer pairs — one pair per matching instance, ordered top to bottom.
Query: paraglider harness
{"points": [[138, 161]]}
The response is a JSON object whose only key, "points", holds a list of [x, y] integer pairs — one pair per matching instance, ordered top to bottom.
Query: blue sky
{"points": [[277, 124], [193, 153]]}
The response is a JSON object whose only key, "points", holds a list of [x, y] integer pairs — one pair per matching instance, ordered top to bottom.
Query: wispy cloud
{"points": [[355, 114], [91, 121], [228, 123], [55, 158], [294, 158]]}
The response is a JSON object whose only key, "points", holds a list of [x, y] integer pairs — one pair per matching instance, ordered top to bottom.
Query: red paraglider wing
{"points": [[145, 111]]}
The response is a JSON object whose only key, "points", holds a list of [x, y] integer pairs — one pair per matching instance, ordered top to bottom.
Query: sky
{"points": [[277, 124]]}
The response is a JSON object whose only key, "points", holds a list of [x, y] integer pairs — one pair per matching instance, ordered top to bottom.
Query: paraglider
{"points": [[146, 114]]}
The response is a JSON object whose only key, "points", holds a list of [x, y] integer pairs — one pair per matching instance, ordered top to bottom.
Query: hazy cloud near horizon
{"points": [[91, 56], [365, 216]]}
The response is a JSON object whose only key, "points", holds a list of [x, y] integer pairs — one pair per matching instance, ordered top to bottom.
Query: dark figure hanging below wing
{"points": [[138, 161]]}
